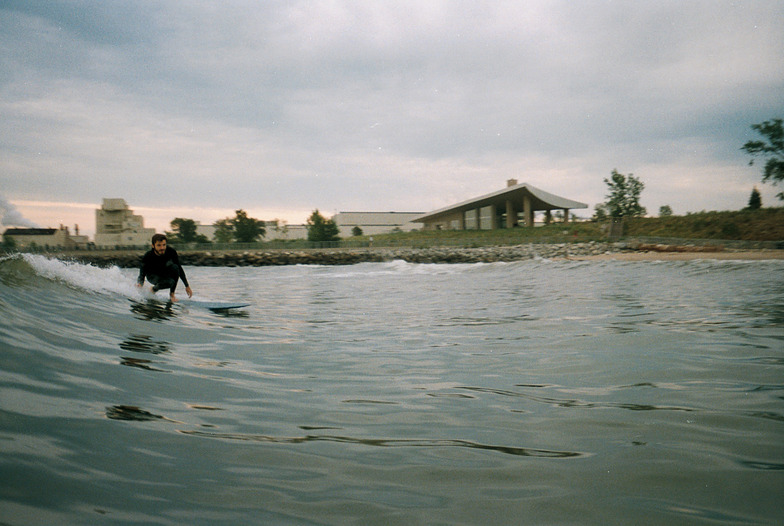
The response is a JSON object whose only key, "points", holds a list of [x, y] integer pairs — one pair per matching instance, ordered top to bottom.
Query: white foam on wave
{"points": [[86, 277]]}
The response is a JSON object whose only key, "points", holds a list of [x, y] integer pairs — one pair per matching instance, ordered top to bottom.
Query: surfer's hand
{"points": [[189, 291]]}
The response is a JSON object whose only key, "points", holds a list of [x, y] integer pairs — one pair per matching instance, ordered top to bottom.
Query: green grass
{"points": [[765, 224]]}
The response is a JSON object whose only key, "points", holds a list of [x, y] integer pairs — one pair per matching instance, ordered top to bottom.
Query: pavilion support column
{"points": [[528, 211], [511, 214], [566, 215], [548, 217], [493, 218], [461, 221]]}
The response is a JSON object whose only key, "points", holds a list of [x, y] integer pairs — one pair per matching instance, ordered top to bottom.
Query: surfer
{"points": [[161, 266]]}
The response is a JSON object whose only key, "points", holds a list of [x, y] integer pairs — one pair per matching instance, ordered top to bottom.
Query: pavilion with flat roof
{"points": [[507, 208]]}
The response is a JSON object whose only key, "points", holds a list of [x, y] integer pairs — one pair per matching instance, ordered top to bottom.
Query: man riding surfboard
{"points": [[161, 266]]}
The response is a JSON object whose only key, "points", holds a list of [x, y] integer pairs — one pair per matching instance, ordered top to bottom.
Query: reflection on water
{"points": [[153, 310], [230, 313], [145, 344], [140, 363], [130, 412], [391, 443]]}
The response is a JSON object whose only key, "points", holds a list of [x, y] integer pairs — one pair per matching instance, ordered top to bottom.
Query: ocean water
{"points": [[535, 392]]}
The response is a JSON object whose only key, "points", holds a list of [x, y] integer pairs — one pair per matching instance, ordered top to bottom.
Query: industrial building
{"points": [[513, 206], [373, 223], [117, 226], [45, 238]]}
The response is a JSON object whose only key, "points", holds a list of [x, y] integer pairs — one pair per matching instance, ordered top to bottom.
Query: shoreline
{"points": [[591, 251], [744, 255]]}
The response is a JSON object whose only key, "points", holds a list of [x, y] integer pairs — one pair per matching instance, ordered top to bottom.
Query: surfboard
{"points": [[213, 305]]}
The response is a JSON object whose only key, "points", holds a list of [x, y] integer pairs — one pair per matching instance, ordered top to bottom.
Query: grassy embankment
{"points": [[766, 224]]}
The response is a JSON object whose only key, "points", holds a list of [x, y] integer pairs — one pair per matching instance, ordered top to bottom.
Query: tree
{"points": [[773, 150], [624, 197], [755, 200], [665, 211], [600, 212], [247, 229], [321, 229], [224, 230], [185, 231], [356, 231], [9, 243]]}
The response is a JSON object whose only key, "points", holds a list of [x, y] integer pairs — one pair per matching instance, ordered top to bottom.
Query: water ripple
{"points": [[573, 402], [390, 443]]}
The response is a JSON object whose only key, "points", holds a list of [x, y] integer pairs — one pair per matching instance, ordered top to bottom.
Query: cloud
{"points": [[357, 105], [12, 217]]}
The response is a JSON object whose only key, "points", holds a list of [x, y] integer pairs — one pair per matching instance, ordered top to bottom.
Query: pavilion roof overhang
{"points": [[539, 199]]}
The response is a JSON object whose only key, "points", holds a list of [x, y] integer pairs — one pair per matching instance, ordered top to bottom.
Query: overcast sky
{"points": [[195, 109]]}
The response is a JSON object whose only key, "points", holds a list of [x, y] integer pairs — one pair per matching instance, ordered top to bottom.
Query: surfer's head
{"points": [[159, 244]]}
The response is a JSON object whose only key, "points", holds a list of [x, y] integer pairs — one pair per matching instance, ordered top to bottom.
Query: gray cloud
{"points": [[343, 105], [10, 216]]}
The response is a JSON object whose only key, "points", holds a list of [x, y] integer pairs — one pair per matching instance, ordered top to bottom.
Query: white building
{"points": [[373, 223], [117, 225], [280, 230], [207, 231]]}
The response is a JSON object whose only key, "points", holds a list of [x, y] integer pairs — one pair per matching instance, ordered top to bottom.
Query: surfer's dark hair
{"points": [[158, 237]]}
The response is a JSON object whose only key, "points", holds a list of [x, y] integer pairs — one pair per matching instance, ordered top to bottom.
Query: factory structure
{"points": [[371, 223], [116, 225], [46, 238]]}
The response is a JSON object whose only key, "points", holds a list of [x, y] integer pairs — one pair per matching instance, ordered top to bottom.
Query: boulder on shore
{"points": [[351, 256]]}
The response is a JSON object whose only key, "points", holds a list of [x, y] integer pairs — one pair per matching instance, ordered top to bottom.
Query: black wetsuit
{"points": [[162, 271]]}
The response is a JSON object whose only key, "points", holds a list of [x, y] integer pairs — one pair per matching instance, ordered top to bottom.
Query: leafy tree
{"points": [[772, 150], [624, 197], [755, 200], [665, 211], [600, 212], [247, 229], [321, 229], [184, 230], [224, 230], [356, 231]]}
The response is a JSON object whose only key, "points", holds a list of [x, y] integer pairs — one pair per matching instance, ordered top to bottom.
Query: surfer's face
{"points": [[160, 247]]}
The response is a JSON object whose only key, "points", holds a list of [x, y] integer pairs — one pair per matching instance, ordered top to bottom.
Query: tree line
{"points": [[244, 229]]}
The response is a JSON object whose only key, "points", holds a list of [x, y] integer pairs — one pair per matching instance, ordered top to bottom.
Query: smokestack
{"points": [[511, 182]]}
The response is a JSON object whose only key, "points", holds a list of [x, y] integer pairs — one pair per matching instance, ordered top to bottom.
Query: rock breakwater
{"points": [[348, 256]]}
